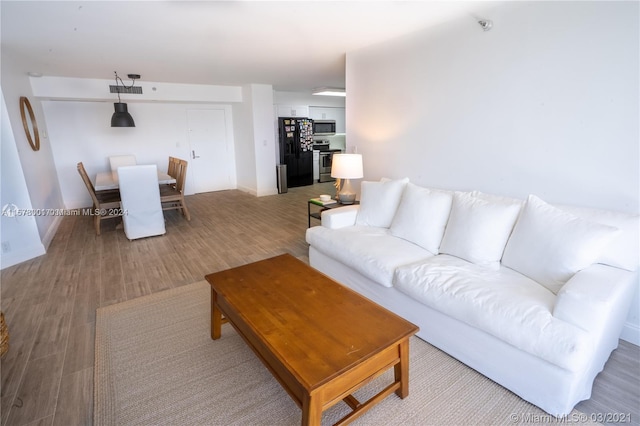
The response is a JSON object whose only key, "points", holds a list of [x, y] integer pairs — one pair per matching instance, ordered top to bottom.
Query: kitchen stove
{"points": [[321, 145]]}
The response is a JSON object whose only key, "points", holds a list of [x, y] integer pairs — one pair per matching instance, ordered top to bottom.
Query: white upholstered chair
{"points": [[121, 160], [140, 198]]}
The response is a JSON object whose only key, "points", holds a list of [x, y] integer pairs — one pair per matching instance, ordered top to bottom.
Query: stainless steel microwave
{"points": [[324, 127]]}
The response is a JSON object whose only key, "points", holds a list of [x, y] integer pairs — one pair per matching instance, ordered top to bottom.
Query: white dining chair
{"points": [[121, 160], [140, 199]]}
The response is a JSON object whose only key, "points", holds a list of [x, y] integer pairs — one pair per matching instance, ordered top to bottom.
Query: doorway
{"points": [[211, 160]]}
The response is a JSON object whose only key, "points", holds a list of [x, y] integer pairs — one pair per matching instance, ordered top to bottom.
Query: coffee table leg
{"points": [[216, 317], [401, 370], [311, 411]]}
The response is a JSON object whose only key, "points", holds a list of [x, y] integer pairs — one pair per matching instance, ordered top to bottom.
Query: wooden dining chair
{"points": [[172, 169], [173, 197], [106, 204]]}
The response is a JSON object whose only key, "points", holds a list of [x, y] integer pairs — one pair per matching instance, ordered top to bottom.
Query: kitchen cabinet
{"points": [[293, 111], [329, 113]]}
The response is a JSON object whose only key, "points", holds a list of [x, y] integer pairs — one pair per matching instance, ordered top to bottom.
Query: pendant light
{"points": [[121, 116]]}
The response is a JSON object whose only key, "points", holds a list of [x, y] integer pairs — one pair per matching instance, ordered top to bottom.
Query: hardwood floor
{"points": [[50, 302]]}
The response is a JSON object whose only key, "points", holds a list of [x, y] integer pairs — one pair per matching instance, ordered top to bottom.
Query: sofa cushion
{"points": [[494, 198], [379, 202], [422, 216], [478, 229], [550, 245], [623, 250], [373, 252], [503, 303]]}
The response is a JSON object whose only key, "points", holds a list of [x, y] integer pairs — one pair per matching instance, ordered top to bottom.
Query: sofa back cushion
{"points": [[497, 198], [379, 202], [422, 216], [479, 228], [550, 245], [623, 251]]}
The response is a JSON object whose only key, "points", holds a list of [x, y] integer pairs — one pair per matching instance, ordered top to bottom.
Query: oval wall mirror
{"points": [[30, 125]]}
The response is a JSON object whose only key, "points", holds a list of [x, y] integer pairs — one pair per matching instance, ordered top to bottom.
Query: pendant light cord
{"points": [[133, 81]]}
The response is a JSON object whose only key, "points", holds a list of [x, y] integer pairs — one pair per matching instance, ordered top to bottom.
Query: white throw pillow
{"points": [[497, 198], [379, 202], [422, 216], [478, 229], [549, 245], [623, 251]]}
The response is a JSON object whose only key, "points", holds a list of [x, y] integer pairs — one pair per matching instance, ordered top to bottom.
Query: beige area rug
{"points": [[157, 365]]}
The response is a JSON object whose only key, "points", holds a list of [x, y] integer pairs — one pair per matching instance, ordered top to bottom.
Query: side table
{"points": [[317, 214]]}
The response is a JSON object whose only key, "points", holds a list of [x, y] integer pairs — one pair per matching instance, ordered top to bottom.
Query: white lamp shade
{"points": [[346, 166]]}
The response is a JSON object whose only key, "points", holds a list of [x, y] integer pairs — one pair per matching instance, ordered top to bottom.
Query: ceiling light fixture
{"points": [[329, 91], [121, 116]]}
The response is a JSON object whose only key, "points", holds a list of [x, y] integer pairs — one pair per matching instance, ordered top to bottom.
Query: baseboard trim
{"points": [[251, 191], [268, 192], [256, 193], [51, 232], [631, 333]]}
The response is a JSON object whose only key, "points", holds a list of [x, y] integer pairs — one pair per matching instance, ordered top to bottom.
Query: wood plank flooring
{"points": [[50, 302]]}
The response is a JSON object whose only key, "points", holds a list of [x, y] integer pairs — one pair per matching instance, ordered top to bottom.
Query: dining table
{"points": [[109, 180]]}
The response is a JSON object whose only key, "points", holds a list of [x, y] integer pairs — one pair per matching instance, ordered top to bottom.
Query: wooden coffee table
{"points": [[320, 340]]}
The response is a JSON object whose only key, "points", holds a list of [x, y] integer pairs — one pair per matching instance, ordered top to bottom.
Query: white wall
{"points": [[544, 103], [82, 132], [264, 139], [255, 140], [244, 142], [38, 169], [19, 234]]}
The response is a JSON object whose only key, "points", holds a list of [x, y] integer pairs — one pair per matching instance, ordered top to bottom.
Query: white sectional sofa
{"points": [[531, 295]]}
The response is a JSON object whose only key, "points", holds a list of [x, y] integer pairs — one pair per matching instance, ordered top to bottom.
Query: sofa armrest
{"points": [[340, 217], [596, 299]]}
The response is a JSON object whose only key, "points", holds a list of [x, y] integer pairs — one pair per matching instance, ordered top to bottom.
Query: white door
{"points": [[211, 159]]}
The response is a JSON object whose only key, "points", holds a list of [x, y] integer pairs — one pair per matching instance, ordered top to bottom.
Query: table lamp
{"points": [[345, 167]]}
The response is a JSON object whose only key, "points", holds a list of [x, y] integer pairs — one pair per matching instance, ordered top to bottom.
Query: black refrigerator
{"points": [[296, 149]]}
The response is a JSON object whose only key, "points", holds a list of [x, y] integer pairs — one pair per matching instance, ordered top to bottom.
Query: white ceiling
{"points": [[293, 45]]}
